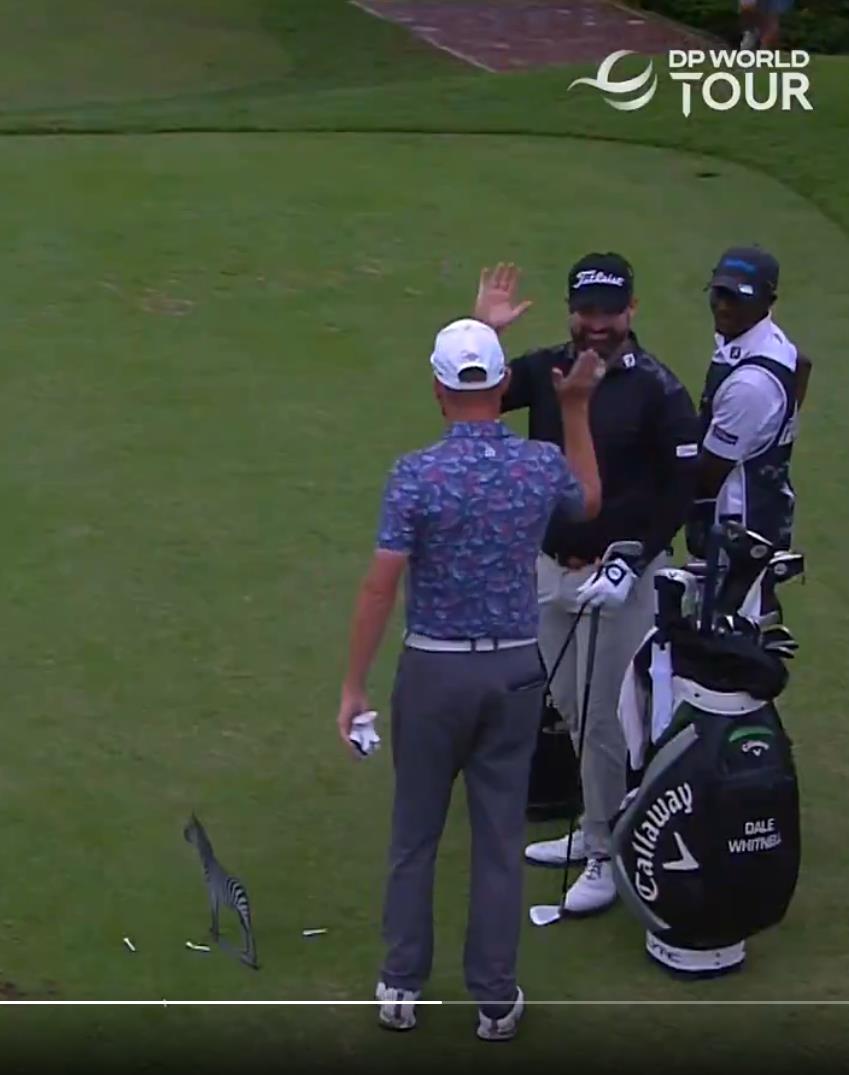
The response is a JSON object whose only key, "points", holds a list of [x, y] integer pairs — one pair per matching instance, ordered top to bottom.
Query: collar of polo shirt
{"points": [[749, 342], [493, 428]]}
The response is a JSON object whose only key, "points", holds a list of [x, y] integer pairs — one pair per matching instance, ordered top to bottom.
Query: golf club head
{"points": [[623, 550], [748, 554], [785, 566], [696, 568], [676, 596], [769, 619], [723, 624], [736, 624], [780, 651], [545, 914]]}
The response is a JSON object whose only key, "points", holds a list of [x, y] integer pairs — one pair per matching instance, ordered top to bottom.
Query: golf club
{"points": [[748, 557], [786, 566], [711, 580], [552, 772], [545, 914]]}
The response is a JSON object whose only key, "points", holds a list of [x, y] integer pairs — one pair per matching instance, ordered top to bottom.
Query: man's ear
{"points": [[633, 306], [503, 385], [439, 396]]}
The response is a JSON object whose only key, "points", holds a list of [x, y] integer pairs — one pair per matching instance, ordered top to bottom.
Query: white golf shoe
{"points": [[553, 852], [594, 890], [397, 1007], [504, 1028]]}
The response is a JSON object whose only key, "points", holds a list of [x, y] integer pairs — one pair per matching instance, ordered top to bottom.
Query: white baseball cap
{"points": [[464, 345]]}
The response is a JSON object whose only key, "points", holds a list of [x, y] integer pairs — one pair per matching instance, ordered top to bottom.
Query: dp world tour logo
{"points": [[722, 78], [626, 87]]}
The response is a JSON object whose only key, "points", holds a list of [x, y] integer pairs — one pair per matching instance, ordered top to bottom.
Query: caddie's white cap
{"points": [[463, 345]]}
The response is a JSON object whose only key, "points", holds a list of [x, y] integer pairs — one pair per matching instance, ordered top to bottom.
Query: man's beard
{"points": [[612, 343]]}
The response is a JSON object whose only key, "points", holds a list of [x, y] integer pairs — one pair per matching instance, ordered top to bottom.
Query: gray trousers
{"points": [[620, 633], [479, 714]]}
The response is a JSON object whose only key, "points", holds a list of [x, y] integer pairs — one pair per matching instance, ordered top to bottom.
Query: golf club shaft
{"points": [[711, 580], [595, 618], [569, 636]]}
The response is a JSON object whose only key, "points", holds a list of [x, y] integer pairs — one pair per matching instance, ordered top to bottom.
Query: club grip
{"points": [[669, 597]]}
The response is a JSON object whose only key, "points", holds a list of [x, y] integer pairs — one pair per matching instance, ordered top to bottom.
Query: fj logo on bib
{"points": [[646, 835]]}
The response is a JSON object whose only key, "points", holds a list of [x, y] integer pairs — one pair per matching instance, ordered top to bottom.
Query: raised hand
{"points": [[496, 302], [581, 381]]}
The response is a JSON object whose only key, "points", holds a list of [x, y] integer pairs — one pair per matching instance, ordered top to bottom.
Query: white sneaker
{"points": [[553, 852], [594, 890], [397, 1008], [502, 1029]]}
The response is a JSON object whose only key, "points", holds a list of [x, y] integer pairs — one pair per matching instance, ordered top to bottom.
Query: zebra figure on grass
{"points": [[224, 890]]}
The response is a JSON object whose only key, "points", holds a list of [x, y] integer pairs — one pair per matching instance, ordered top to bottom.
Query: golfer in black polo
{"points": [[645, 432]]}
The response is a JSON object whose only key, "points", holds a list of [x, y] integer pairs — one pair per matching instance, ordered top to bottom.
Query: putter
{"points": [[544, 914]]}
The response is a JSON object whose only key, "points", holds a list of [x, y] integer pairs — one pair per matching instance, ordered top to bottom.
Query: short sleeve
{"points": [[748, 410], [399, 509]]}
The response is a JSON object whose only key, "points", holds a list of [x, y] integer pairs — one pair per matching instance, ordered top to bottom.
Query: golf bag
{"points": [[554, 787], [706, 848]]}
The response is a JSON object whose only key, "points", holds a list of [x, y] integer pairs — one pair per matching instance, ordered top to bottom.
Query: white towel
{"points": [[660, 672], [632, 713]]}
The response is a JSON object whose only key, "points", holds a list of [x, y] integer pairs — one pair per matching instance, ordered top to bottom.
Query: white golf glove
{"points": [[609, 586], [363, 735]]}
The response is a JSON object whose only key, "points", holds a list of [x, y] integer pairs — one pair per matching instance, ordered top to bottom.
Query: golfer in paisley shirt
{"points": [[465, 518]]}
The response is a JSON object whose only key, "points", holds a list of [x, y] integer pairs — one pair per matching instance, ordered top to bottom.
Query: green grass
{"points": [[90, 51], [214, 345]]}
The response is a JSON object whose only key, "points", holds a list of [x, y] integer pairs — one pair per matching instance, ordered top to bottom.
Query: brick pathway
{"points": [[502, 36]]}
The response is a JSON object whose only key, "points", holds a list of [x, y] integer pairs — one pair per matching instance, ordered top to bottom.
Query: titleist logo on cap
{"points": [[594, 276]]}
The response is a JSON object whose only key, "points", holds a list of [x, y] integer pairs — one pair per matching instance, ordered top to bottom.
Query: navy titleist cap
{"points": [[748, 271], [601, 281]]}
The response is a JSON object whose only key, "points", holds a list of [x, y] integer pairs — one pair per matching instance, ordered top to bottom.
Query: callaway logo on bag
{"points": [[707, 851]]}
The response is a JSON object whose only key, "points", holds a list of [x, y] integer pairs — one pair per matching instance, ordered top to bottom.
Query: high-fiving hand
{"points": [[496, 302], [582, 379]]}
